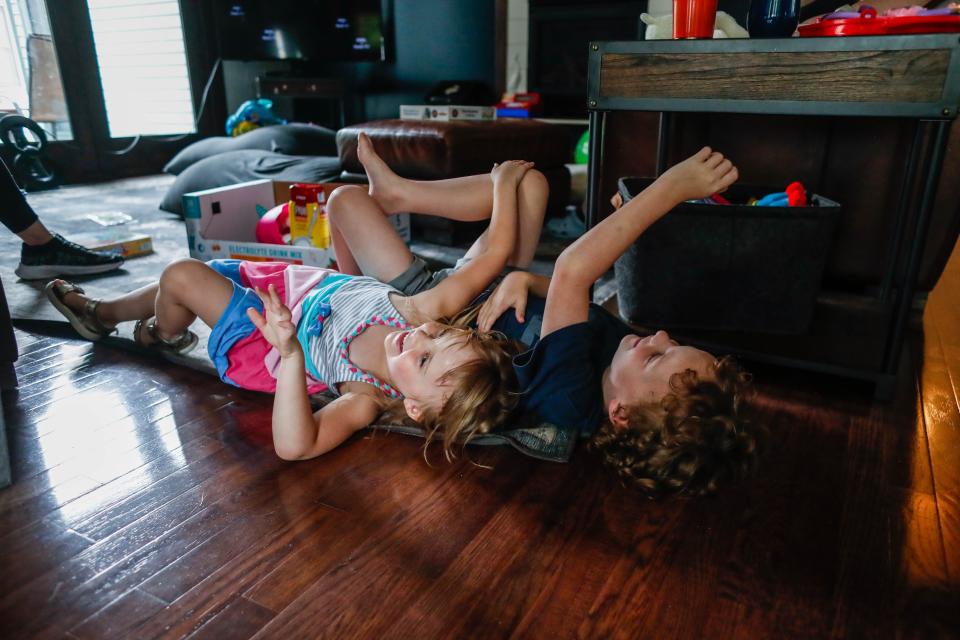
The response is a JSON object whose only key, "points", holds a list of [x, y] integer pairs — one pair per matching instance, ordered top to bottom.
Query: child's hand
{"points": [[510, 172], [705, 173], [511, 292], [277, 327]]}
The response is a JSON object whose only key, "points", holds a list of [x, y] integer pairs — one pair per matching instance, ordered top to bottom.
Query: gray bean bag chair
{"points": [[290, 139], [235, 167]]}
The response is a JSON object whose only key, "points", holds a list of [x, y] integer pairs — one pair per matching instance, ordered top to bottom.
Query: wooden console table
{"points": [[914, 77]]}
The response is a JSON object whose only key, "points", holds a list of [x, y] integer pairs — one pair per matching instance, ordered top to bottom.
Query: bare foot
{"points": [[385, 185]]}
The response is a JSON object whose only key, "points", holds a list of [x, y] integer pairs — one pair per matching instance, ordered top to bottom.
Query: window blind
{"points": [[143, 66]]}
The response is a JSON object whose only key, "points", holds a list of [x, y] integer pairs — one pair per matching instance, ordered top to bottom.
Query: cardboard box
{"points": [[445, 113], [221, 223], [120, 241]]}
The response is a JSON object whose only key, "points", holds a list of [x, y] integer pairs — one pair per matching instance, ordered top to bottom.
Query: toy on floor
{"points": [[251, 115]]}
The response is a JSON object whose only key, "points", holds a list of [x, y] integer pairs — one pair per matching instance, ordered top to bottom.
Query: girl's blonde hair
{"points": [[483, 392]]}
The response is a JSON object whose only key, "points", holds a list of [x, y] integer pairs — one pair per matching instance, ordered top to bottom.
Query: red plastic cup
{"points": [[694, 18]]}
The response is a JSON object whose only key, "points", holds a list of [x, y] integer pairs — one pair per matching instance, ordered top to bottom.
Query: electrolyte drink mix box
{"points": [[222, 222]]}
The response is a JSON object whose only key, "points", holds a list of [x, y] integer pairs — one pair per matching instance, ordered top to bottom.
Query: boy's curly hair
{"points": [[697, 439]]}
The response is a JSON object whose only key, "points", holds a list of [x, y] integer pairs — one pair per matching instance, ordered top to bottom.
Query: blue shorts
{"points": [[234, 324]]}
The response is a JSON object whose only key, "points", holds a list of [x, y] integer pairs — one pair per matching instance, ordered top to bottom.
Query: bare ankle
{"points": [[389, 197]]}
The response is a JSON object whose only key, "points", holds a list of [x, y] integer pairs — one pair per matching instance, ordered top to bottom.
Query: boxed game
{"points": [[446, 112], [124, 242]]}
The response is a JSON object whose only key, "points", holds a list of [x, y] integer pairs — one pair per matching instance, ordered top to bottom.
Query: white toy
{"points": [[661, 27]]}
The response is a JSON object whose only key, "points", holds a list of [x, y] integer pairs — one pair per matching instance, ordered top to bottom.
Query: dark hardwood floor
{"points": [[147, 502]]}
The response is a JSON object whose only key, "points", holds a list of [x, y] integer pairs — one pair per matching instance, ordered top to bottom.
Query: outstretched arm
{"points": [[580, 264], [455, 292], [298, 433]]}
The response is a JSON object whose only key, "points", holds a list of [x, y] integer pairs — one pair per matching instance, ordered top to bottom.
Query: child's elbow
{"points": [[569, 270], [290, 453]]}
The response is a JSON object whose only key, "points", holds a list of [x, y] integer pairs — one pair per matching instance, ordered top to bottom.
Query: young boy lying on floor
{"points": [[667, 418]]}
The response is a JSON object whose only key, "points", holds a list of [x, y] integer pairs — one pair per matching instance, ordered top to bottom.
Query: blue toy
{"points": [[252, 114], [794, 196], [773, 200]]}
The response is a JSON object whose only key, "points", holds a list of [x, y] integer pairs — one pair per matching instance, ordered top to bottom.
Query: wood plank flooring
{"points": [[147, 503]]}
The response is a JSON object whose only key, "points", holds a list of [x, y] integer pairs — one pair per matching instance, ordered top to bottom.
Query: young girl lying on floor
{"points": [[373, 346], [667, 418]]}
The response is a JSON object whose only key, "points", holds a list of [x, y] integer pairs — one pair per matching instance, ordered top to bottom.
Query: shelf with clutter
{"points": [[817, 106]]}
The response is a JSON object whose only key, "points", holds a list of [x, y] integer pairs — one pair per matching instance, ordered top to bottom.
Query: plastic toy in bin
{"points": [[794, 196]]}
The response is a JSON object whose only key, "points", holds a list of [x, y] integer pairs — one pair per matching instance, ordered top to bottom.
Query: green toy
{"points": [[581, 154]]}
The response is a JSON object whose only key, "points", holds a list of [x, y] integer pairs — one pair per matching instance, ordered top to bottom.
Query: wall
{"points": [[433, 40]]}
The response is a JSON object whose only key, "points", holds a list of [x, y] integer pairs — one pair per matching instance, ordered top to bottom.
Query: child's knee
{"points": [[534, 183], [343, 197], [180, 273]]}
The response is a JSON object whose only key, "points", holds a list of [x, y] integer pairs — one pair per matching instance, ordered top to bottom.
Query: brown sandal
{"points": [[86, 322], [180, 344]]}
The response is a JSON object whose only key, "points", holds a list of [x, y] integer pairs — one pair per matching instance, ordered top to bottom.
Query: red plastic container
{"points": [[694, 18], [869, 24]]}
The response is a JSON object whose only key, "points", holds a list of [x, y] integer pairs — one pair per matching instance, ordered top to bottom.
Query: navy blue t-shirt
{"points": [[560, 376]]}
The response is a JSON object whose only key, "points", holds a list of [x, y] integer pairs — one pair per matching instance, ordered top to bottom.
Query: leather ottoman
{"points": [[430, 150]]}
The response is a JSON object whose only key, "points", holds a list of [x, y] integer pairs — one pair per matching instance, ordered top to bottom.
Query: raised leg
{"points": [[532, 197], [468, 198], [363, 238]]}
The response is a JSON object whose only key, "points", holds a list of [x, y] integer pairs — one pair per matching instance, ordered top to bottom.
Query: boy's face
{"points": [[417, 360], [641, 368]]}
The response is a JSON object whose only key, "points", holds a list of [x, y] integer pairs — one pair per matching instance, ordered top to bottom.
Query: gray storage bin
{"points": [[732, 267]]}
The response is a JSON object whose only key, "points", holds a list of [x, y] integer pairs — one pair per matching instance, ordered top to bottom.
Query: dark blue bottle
{"points": [[773, 18]]}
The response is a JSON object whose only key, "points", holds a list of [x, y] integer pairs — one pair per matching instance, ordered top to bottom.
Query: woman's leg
{"points": [[16, 214], [44, 254]]}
